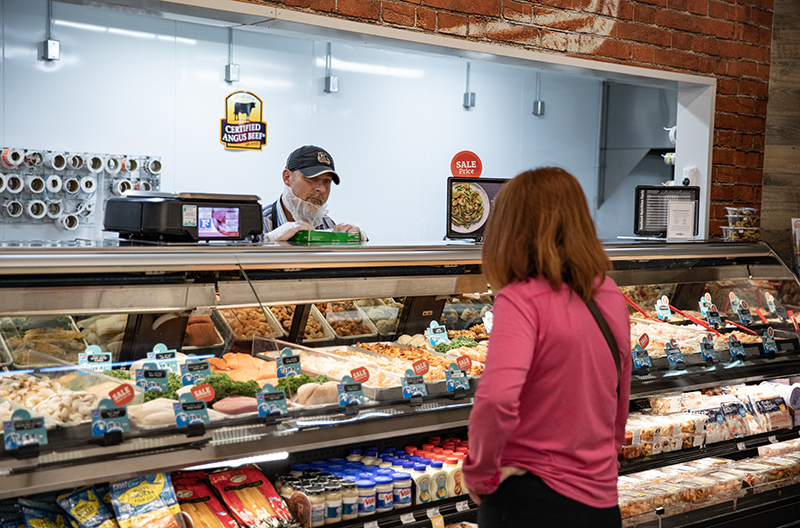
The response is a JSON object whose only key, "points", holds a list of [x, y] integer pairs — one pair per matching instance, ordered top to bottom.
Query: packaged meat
{"points": [[665, 404], [772, 414], [735, 418], [691, 424], [716, 426], [633, 434], [690, 440], [671, 444], [779, 448], [629, 452], [709, 463], [783, 468], [678, 471], [755, 474], [651, 476], [724, 482], [627, 483], [697, 488], [665, 495], [250, 497], [198, 501], [146, 502], [633, 503]]}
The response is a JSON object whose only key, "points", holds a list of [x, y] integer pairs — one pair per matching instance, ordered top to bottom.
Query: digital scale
{"points": [[183, 217]]}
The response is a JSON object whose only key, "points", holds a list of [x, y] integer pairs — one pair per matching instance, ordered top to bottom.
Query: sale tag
{"points": [[662, 308], [713, 317], [437, 334], [644, 340], [768, 340], [736, 347], [707, 348], [641, 358], [93, 359], [165, 359], [464, 362], [288, 364], [421, 367], [194, 371], [360, 374], [152, 378], [456, 378], [413, 385], [203, 392], [349, 392], [122, 395], [271, 401], [190, 411], [109, 417], [23, 430]]}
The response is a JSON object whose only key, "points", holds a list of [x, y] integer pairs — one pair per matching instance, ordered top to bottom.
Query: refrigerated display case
{"points": [[158, 288]]}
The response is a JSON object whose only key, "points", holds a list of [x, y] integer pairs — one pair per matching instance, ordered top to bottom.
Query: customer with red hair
{"points": [[550, 411]]}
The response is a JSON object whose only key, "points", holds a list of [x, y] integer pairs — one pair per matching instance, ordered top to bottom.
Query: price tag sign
{"points": [[734, 300], [770, 302], [705, 304], [662, 308], [745, 316], [713, 317], [488, 321], [437, 334], [644, 340], [768, 340], [736, 347], [707, 348], [674, 354], [93, 359], [165, 359], [641, 359], [464, 362], [288, 364], [421, 367], [194, 371], [360, 374], [152, 378], [456, 378], [413, 385], [204, 392], [349, 392], [122, 395], [794, 398], [271, 401], [188, 411], [108, 418], [23, 430], [462, 506], [407, 518], [437, 521]]}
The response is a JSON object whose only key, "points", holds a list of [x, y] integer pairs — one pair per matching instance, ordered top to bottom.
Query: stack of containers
{"points": [[741, 224]]}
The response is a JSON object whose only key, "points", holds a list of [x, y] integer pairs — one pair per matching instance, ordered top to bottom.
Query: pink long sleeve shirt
{"points": [[547, 401]]}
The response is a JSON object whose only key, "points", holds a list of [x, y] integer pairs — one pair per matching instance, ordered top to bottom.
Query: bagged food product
{"points": [[665, 404], [772, 414], [735, 418], [716, 426], [104, 492], [250, 497], [198, 501], [146, 502], [87, 508], [11, 515], [42, 515]]}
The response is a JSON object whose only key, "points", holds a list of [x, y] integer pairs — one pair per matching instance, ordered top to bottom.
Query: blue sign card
{"points": [[770, 302], [705, 304], [662, 308], [745, 317], [714, 318], [488, 321], [437, 334], [768, 340], [736, 347], [707, 349], [674, 354], [641, 358], [93, 359], [166, 359], [288, 364], [194, 371], [152, 378], [456, 378], [413, 385], [349, 392], [271, 401], [190, 411], [108, 418], [23, 430]]}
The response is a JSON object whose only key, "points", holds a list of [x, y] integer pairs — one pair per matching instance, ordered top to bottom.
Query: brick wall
{"points": [[729, 39]]}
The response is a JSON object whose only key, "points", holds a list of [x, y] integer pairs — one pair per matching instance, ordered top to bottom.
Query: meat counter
{"points": [[126, 299]]}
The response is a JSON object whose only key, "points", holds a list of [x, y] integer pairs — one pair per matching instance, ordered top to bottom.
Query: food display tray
{"points": [[393, 311], [9, 329], [327, 330], [360, 337], [239, 344], [49, 423]]}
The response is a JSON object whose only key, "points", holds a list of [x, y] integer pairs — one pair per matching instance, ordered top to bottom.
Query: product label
{"points": [[189, 216], [734, 301], [770, 302], [705, 304], [662, 308], [745, 316], [713, 317], [437, 334], [768, 340], [736, 347], [707, 348], [674, 354], [641, 358], [164, 359], [93, 360], [288, 364], [421, 367], [194, 371], [152, 378], [456, 378], [413, 385], [204, 392], [349, 392], [271, 401], [189, 411], [108, 417], [22, 430], [458, 478], [440, 486], [423, 489], [402, 496], [384, 500], [366, 504], [349, 506], [333, 509], [318, 512]]}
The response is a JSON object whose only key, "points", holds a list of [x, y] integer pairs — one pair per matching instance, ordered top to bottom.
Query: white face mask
{"points": [[301, 210]]}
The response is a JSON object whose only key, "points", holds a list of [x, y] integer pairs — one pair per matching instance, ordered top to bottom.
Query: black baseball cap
{"points": [[312, 161]]}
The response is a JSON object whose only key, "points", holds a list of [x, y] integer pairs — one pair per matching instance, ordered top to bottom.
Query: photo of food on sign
{"points": [[469, 203]]}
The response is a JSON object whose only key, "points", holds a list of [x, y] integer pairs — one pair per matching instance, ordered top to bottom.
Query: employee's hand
{"points": [[345, 228], [287, 231]]}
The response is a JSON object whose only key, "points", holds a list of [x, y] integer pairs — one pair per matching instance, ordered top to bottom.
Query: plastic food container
{"points": [[742, 211], [741, 220], [735, 234], [347, 320], [666, 404], [633, 434], [689, 440], [670, 444], [651, 448], [629, 452], [709, 463], [783, 468], [679, 471], [755, 474], [726, 481], [697, 488], [666, 495], [635, 503]]}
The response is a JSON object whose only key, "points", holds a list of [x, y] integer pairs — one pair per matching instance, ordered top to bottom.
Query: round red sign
{"points": [[466, 164]]}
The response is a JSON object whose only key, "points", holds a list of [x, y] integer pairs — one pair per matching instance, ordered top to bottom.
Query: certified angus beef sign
{"points": [[242, 128]]}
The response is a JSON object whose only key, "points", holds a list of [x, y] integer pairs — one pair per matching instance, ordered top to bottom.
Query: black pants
{"points": [[526, 501]]}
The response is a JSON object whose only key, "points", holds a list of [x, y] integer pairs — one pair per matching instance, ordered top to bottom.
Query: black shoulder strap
{"points": [[273, 216], [612, 343]]}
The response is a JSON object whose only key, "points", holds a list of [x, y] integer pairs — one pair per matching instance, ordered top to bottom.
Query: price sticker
{"points": [[662, 308], [713, 317], [745, 317], [437, 334], [768, 340], [736, 347], [707, 348], [93, 359], [165, 359], [641, 359], [464, 362], [288, 364], [421, 367], [194, 371], [360, 374], [152, 378], [456, 378], [413, 385], [204, 392], [349, 392], [122, 395], [794, 398], [271, 401], [189, 411], [108, 417], [23, 430], [741, 446], [462, 506], [433, 512], [407, 518], [371, 524]]}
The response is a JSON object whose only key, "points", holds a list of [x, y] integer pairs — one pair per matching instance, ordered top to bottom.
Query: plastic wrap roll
{"points": [[11, 158], [34, 158], [56, 161], [75, 161], [95, 163], [113, 164], [129, 164], [153, 166], [2, 183], [53, 183], [14, 184], [34, 184], [88, 184], [71, 186], [142, 186], [118, 187], [12, 209], [36, 209], [54, 210], [68, 222]]}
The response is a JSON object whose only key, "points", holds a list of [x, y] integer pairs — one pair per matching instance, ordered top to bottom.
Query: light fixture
{"points": [[51, 48], [231, 69], [331, 81], [469, 97], [538, 104]]}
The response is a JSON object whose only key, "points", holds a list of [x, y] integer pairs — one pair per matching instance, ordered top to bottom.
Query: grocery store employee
{"points": [[307, 177]]}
